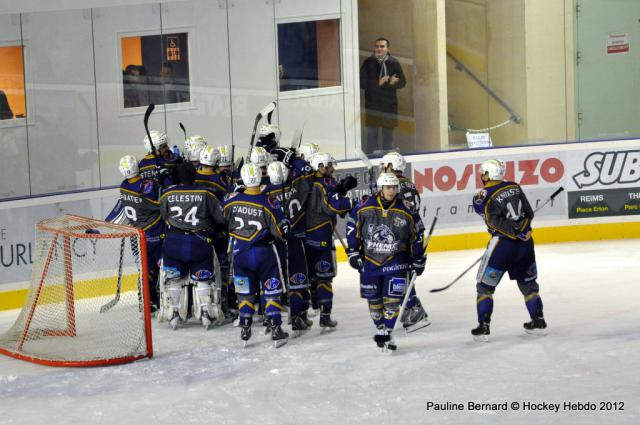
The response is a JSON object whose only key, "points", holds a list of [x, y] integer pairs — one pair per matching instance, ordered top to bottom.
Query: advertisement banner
{"points": [[604, 183], [447, 187], [17, 234]]}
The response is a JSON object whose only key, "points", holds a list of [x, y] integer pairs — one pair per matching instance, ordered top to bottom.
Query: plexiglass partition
{"points": [[406, 75]]}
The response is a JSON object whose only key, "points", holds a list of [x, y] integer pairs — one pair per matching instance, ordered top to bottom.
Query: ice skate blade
{"points": [[416, 327], [327, 329], [536, 332], [298, 334], [481, 338], [245, 343], [279, 343]]}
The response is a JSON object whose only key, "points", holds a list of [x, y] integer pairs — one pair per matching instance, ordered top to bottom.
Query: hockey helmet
{"points": [[158, 138], [193, 146], [308, 150], [209, 156], [260, 157], [226, 158], [321, 158], [396, 160], [128, 166], [494, 168], [277, 172], [251, 174], [387, 179]]}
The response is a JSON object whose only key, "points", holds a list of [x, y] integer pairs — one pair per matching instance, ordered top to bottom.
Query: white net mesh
{"points": [[88, 301]]}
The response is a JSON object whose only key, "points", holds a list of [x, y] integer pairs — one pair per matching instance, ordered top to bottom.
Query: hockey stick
{"points": [[267, 110], [147, 114], [184, 130], [296, 140], [365, 159], [549, 199], [335, 234], [413, 278], [115, 299]]}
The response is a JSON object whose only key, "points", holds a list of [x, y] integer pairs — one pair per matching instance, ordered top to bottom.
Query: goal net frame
{"points": [[74, 228]]}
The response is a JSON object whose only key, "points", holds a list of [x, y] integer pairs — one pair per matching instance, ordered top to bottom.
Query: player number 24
{"points": [[190, 217]]}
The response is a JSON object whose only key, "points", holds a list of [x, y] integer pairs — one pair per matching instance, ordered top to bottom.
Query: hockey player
{"points": [[269, 137], [193, 146], [307, 150], [261, 158], [225, 163], [159, 168], [210, 177], [292, 189], [326, 200], [139, 207], [191, 212], [507, 214], [255, 223], [385, 244], [414, 316]]}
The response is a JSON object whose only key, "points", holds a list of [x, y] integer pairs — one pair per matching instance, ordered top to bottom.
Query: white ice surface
{"points": [[590, 292]]}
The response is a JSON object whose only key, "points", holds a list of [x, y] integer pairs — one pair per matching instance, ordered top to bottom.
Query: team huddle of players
{"points": [[226, 241]]}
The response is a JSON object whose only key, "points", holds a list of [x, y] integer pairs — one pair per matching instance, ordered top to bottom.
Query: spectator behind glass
{"points": [[380, 77], [135, 86], [5, 109]]}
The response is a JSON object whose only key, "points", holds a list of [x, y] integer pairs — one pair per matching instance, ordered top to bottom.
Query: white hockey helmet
{"points": [[267, 129], [158, 138], [194, 146], [308, 150], [209, 156], [225, 156], [260, 157], [321, 158], [396, 160], [128, 166], [495, 169], [277, 172], [251, 174], [387, 179]]}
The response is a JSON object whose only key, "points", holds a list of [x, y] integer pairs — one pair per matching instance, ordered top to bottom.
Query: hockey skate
{"points": [[305, 319], [415, 319], [327, 324], [299, 326], [536, 327], [245, 331], [481, 333], [278, 336], [380, 337]]}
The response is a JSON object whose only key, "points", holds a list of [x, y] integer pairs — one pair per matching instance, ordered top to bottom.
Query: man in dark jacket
{"points": [[380, 77], [5, 109]]}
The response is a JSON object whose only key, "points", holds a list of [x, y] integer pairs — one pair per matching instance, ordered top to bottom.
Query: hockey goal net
{"points": [[88, 302]]}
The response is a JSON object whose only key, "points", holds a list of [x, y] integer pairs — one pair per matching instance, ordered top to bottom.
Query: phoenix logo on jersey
{"points": [[381, 239]]}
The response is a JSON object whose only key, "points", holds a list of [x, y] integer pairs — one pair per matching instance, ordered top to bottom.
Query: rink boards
{"points": [[601, 201]]}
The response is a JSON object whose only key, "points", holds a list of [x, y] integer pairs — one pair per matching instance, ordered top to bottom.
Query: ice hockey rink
{"points": [[590, 291]]}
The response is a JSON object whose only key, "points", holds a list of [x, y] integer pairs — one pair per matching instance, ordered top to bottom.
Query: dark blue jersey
{"points": [[215, 181], [139, 203], [324, 204], [504, 208], [254, 219], [387, 234]]}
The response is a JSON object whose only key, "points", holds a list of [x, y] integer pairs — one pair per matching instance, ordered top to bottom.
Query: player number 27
{"points": [[190, 217]]}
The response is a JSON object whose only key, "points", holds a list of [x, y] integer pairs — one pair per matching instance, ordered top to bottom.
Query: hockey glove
{"points": [[346, 184], [284, 227], [355, 260], [419, 264]]}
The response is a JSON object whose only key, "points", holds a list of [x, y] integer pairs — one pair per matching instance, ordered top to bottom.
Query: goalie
{"points": [[190, 213]]}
